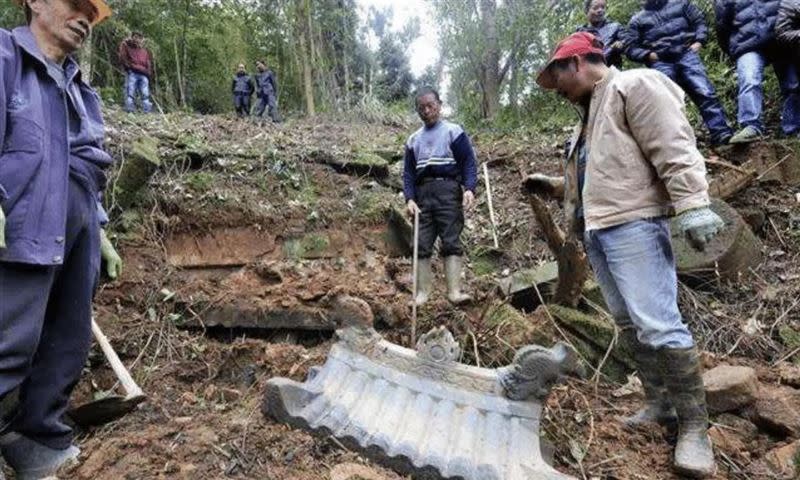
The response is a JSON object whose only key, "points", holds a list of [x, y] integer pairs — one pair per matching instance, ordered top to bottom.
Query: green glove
{"points": [[700, 225], [2, 229], [110, 255]]}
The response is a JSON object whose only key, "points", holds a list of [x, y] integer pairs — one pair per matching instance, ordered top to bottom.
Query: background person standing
{"points": [[746, 31], [611, 33], [667, 35], [138, 65], [242, 88], [267, 92]]}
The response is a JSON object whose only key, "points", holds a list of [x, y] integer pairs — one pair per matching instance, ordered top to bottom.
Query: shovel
{"points": [[493, 255], [112, 407]]}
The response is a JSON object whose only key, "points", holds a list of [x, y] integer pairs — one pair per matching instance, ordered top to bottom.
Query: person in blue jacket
{"points": [[746, 31], [611, 33], [667, 35], [242, 89], [267, 92], [52, 172], [439, 180]]}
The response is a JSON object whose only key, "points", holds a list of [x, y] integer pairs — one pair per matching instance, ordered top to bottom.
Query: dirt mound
{"points": [[242, 233]]}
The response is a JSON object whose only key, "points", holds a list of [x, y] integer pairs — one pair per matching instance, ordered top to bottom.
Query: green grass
{"points": [[200, 182]]}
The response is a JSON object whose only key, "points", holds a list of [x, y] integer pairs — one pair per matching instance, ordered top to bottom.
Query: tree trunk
{"points": [[305, 54], [86, 58], [184, 60], [490, 62], [179, 76], [513, 87]]}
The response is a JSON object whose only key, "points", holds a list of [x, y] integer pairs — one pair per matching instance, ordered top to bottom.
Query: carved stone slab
{"points": [[422, 413]]}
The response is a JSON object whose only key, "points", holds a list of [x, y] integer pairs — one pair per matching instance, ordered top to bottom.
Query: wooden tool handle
{"points": [[491, 206], [124, 377]]}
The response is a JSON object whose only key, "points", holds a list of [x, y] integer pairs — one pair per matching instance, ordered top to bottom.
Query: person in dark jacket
{"points": [[788, 27], [746, 31], [611, 33], [667, 36], [138, 65], [242, 88], [267, 92], [439, 180], [51, 242]]}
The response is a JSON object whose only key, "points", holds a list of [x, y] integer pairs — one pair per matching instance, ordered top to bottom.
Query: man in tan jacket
{"points": [[633, 163]]}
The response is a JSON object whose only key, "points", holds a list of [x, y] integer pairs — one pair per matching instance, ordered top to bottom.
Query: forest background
{"points": [[330, 59]]}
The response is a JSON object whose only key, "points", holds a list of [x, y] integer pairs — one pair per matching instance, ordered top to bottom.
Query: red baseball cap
{"points": [[579, 43]]}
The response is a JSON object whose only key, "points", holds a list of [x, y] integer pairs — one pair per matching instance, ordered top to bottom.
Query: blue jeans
{"points": [[750, 70], [690, 73], [137, 83], [634, 265]]}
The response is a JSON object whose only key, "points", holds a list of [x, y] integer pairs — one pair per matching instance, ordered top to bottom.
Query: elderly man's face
{"points": [[66, 23], [429, 108]]}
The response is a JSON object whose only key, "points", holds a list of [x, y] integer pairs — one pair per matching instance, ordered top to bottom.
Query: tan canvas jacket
{"points": [[643, 160]]}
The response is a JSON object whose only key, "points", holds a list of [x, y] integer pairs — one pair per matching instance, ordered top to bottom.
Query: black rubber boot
{"points": [[657, 407], [694, 456]]}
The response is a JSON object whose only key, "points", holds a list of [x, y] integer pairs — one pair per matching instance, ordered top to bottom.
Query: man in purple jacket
{"points": [[52, 170]]}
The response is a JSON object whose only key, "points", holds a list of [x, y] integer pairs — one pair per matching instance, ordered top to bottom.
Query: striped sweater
{"points": [[443, 150]]}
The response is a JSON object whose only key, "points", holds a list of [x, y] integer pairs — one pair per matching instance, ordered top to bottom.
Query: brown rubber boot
{"points": [[657, 408], [694, 455]]}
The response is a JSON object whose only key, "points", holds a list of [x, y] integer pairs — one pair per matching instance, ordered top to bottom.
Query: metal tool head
{"points": [[104, 410]]}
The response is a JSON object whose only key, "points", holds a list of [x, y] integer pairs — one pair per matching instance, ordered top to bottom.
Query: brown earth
{"points": [[242, 220]]}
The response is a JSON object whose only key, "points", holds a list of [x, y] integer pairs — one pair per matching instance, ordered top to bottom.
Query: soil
{"points": [[240, 216]]}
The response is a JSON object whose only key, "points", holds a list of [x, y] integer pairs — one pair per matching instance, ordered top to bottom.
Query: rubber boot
{"points": [[452, 273], [424, 281], [657, 408], [694, 456], [32, 460]]}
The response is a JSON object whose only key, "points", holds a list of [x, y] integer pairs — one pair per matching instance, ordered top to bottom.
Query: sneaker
{"points": [[746, 135]]}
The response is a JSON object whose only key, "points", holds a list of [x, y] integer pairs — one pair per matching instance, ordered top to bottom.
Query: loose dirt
{"points": [[242, 220]]}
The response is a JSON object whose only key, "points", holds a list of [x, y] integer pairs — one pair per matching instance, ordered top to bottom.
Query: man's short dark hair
{"points": [[28, 13], [591, 58], [427, 91]]}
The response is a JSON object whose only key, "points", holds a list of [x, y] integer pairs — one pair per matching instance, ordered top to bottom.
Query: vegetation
{"points": [[328, 58]]}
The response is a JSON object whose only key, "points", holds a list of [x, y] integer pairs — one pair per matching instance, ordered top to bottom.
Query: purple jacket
{"points": [[49, 133]]}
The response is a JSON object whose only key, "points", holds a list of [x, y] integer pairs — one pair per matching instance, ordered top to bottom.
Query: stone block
{"points": [[141, 162], [361, 163], [226, 247], [732, 251], [789, 374], [729, 388], [777, 410], [422, 413], [745, 429], [727, 440], [783, 461]]}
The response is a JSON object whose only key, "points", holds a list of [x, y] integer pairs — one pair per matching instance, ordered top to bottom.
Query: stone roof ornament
{"points": [[423, 413]]}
